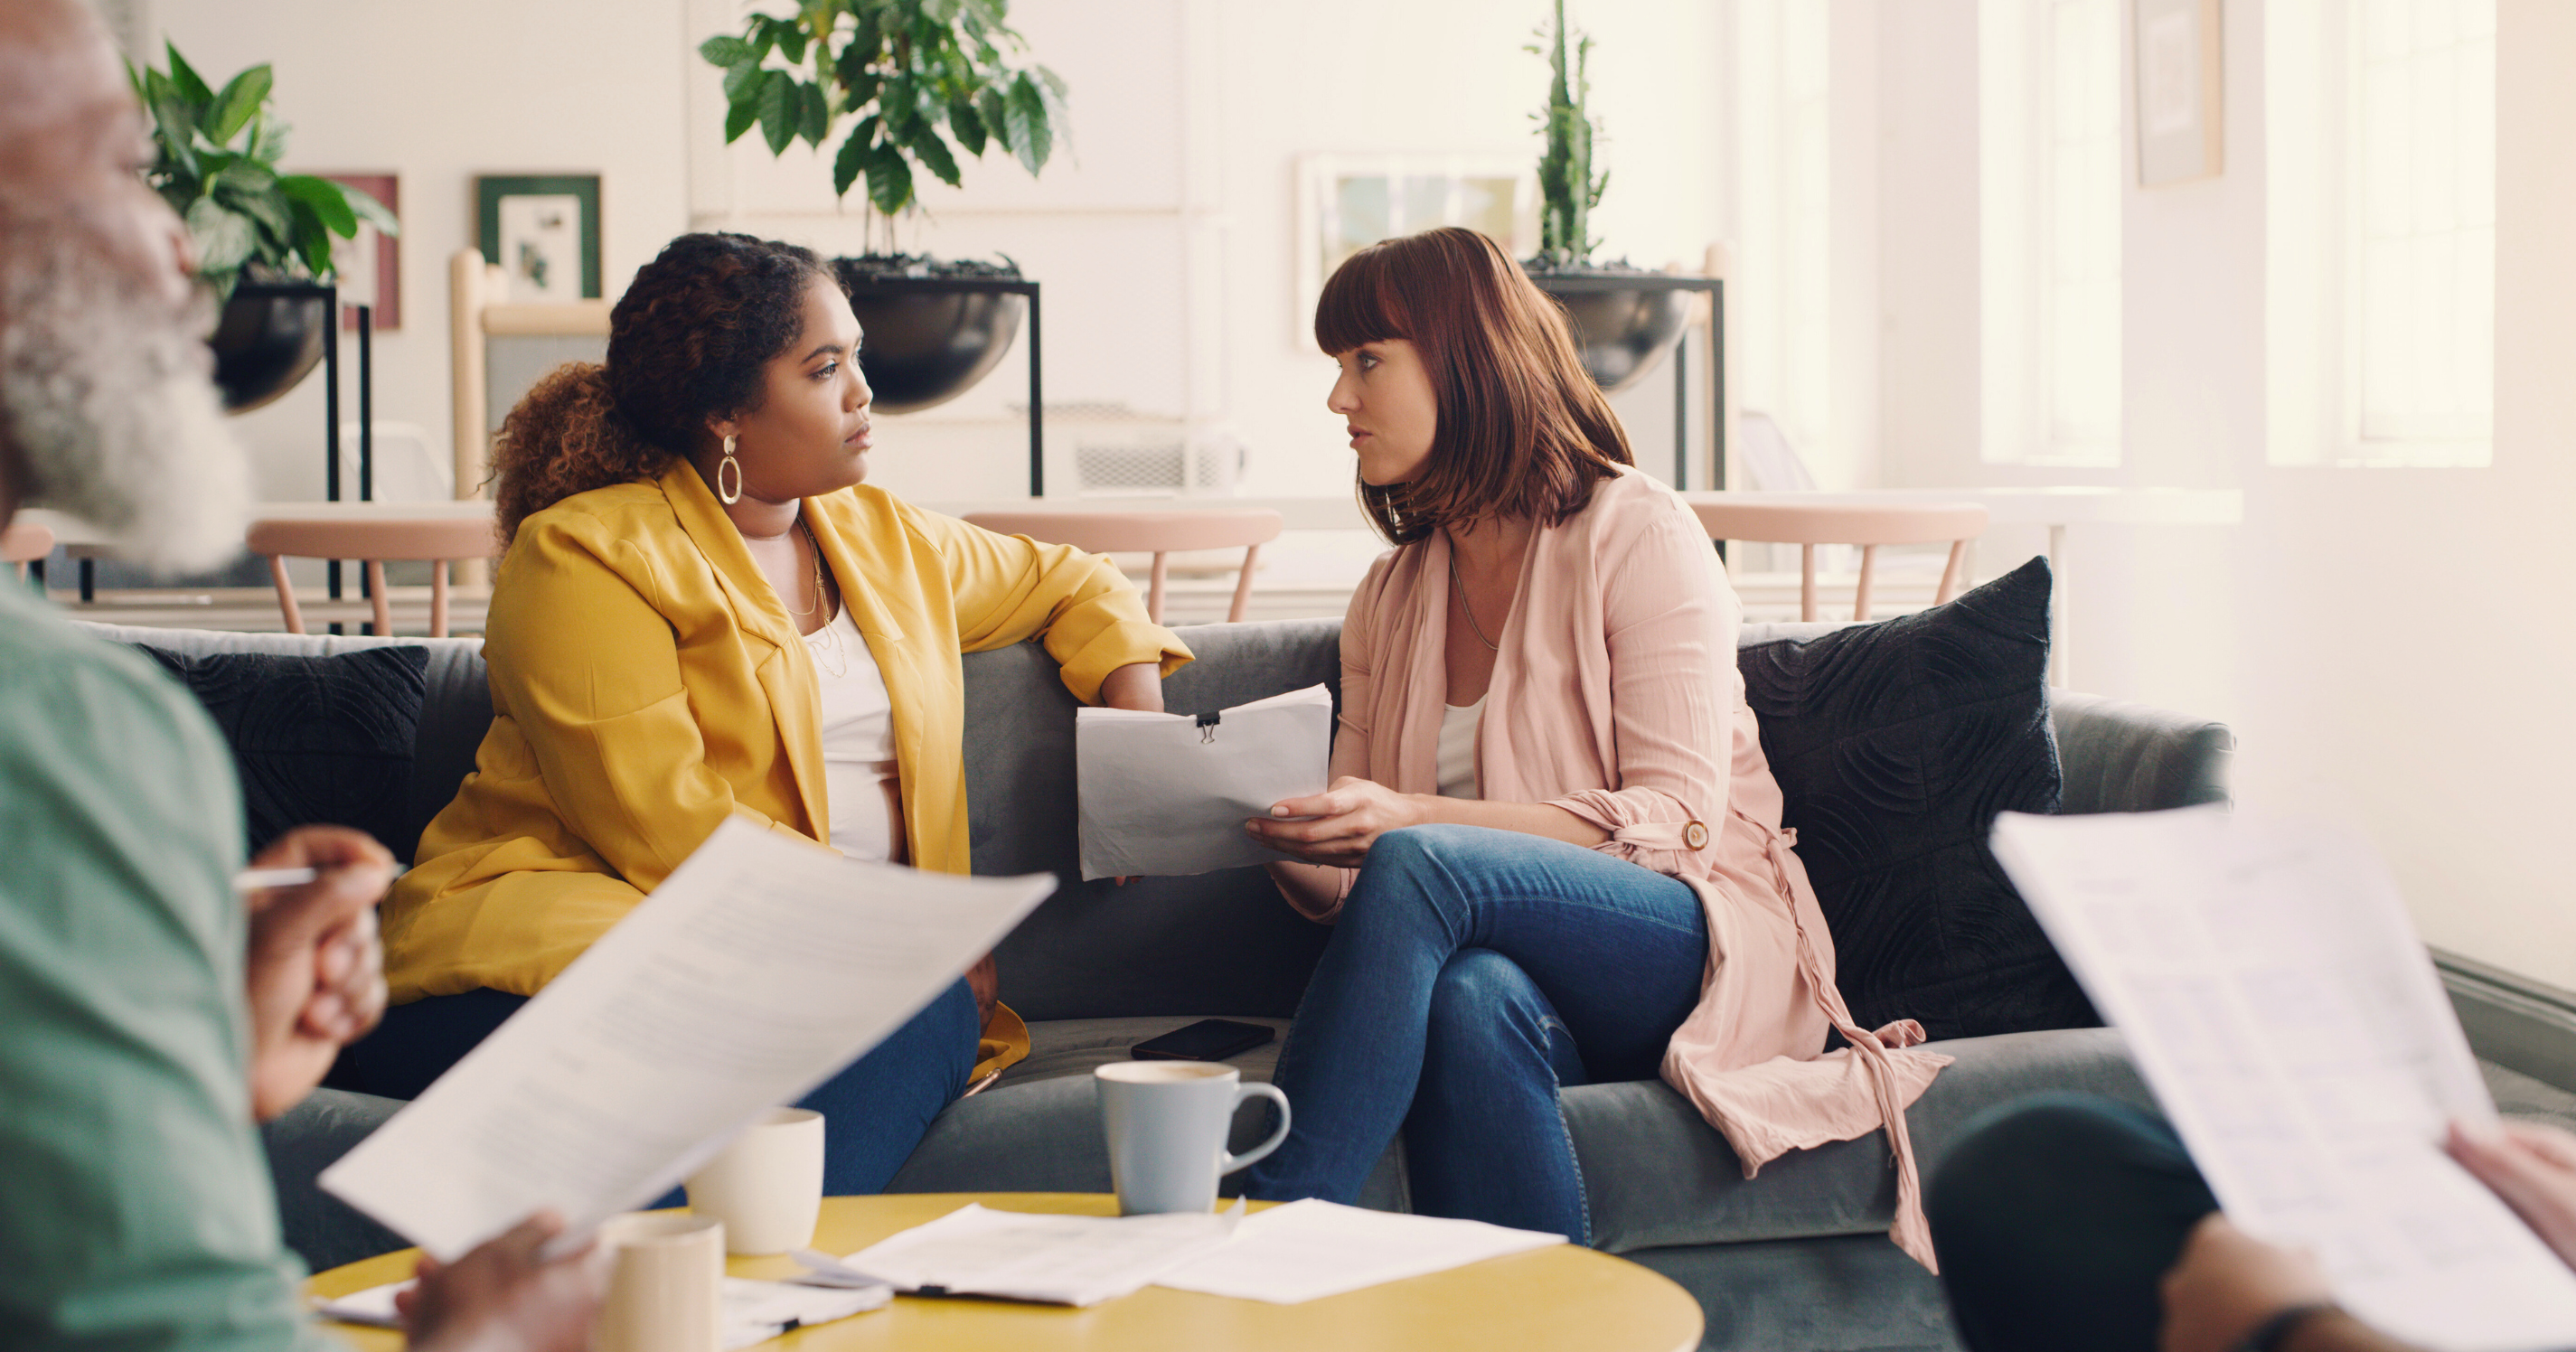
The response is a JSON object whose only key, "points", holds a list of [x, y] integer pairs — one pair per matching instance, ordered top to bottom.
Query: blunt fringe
{"points": [[686, 343], [1523, 431]]}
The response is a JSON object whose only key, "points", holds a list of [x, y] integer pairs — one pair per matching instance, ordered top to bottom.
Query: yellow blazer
{"points": [[647, 683]]}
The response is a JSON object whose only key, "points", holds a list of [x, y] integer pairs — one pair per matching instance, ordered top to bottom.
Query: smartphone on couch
{"points": [[1206, 1040]]}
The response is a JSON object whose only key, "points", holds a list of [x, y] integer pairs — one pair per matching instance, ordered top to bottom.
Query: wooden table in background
{"points": [[1564, 1297]]}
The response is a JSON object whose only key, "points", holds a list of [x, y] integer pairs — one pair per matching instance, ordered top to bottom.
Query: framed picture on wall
{"points": [[1347, 202], [543, 230], [370, 265]]}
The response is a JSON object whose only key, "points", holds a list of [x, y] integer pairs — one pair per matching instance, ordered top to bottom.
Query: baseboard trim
{"points": [[2512, 1020]]}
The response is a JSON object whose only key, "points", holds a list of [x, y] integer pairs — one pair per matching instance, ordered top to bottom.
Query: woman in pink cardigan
{"points": [[1551, 847]]}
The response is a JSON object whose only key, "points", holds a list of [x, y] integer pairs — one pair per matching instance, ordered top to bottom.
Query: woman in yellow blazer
{"points": [[704, 614]]}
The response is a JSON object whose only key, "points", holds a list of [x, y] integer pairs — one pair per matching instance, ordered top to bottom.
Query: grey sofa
{"points": [[1795, 1259]]}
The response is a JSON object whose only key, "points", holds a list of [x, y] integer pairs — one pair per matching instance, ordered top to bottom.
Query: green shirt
{"points": [[135, 1203]]}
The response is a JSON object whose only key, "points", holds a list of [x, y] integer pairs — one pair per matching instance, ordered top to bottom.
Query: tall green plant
{"points": [[928, 80], [216, 165], [1568, 189]]}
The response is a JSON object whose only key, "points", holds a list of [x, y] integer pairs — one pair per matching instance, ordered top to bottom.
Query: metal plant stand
{"points": [[1596, 283], [895, 286]]}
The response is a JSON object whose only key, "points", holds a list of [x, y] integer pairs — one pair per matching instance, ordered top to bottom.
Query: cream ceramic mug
{"points": [[1167, 1123], [767, 1187], [665, 1283]]}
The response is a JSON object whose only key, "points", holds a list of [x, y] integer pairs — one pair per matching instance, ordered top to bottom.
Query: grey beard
{"points": [[103, 396]]}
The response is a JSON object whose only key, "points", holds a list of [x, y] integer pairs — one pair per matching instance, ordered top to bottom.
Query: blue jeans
{"points": [[1472, 974], [874, 1112]]}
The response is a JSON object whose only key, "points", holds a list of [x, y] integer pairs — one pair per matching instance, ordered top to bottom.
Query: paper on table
{"points": [[1167, 794], [756, 971], [2279, 1003], [1307, 1250], [1060, 1260], [752, 1311]]}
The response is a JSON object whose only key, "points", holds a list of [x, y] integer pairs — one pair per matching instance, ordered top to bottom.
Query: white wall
{"points": [[442, 93], [2390, 644]]}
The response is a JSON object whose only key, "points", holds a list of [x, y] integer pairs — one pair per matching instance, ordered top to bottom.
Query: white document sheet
{"points": [[1167, 794], [756, 971], [2278, 1001], [1307, 1250], [1058, 1260], [752, 1312]]}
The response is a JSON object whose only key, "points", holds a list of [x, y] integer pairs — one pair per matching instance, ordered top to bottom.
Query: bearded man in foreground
{"points": [[149, 1014]]}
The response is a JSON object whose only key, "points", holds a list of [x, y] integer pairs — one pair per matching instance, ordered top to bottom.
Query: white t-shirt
{"points": [[1458, 724], [859, 776]]}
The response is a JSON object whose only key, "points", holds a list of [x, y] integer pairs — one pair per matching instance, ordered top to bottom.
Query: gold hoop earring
{"points": [[734, 494]]}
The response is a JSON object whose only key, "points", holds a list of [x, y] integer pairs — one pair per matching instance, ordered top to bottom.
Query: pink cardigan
{"points": [[1616, 698]]}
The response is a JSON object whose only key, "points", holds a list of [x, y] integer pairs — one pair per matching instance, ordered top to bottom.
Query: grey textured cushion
{"points": [[2120, 756], [1655, 1174], [1846, 1293]]}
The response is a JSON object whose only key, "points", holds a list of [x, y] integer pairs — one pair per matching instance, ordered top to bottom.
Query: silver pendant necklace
{"points": [[1464, 604]]}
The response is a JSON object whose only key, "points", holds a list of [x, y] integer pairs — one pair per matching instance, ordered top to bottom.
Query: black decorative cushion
{"points": [[315, 739], [1895, 745]]}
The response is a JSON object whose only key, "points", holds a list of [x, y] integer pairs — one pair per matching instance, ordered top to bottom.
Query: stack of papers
{"points": [[1167, 794], [2291, 1024], [1308, 1250], [1285, 1255], [1052, 1259], [754, 1312]]}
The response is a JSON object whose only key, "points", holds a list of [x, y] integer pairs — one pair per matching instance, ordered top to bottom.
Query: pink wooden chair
{"points": [[1867, 525], [1158, 533], [435, 540], [23, 543]]}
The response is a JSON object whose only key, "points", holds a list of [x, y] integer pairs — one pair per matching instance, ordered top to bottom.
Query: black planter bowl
{"points": [[1623, 332], [269, 338], [927, 340]]}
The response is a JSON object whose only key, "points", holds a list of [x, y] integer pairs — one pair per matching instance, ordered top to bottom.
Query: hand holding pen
{"points": [[314, 976]]}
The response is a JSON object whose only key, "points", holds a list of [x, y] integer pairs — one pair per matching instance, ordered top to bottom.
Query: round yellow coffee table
{"points": [[1560, 1297]]}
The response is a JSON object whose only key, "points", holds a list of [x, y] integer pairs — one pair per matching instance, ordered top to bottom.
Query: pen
{"points": [[260, 879]]}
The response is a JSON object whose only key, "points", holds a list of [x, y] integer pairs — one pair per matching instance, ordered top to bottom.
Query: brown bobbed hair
{"points": [[686, 343], [1523, 431]]}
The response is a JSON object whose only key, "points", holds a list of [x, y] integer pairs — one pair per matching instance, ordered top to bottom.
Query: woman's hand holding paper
{"points": [[1339, 824]]}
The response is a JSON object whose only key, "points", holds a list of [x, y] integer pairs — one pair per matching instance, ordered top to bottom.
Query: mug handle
{"points": [[1227, 1164]]}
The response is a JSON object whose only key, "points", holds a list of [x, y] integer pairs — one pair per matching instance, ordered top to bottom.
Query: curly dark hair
{"points": [[685, 344]]}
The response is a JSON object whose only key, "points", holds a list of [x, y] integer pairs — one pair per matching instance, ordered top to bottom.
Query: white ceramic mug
{"points": [[1167, 1122], [767, 1187], [665, 1283]]}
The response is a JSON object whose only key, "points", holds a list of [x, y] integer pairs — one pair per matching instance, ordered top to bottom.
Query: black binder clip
{"points": [[1207, 727]]}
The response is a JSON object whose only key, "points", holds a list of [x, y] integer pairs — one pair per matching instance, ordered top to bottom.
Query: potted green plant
{"points": [[925, 84], [261, 235], [1624, 328]]}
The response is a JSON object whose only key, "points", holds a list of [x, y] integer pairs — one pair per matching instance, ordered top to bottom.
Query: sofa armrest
{"points": [[2119, 756], [307, 1139]]}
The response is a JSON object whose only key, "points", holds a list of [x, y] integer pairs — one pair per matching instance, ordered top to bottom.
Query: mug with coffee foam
{"points": [[1167, 1122]]}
